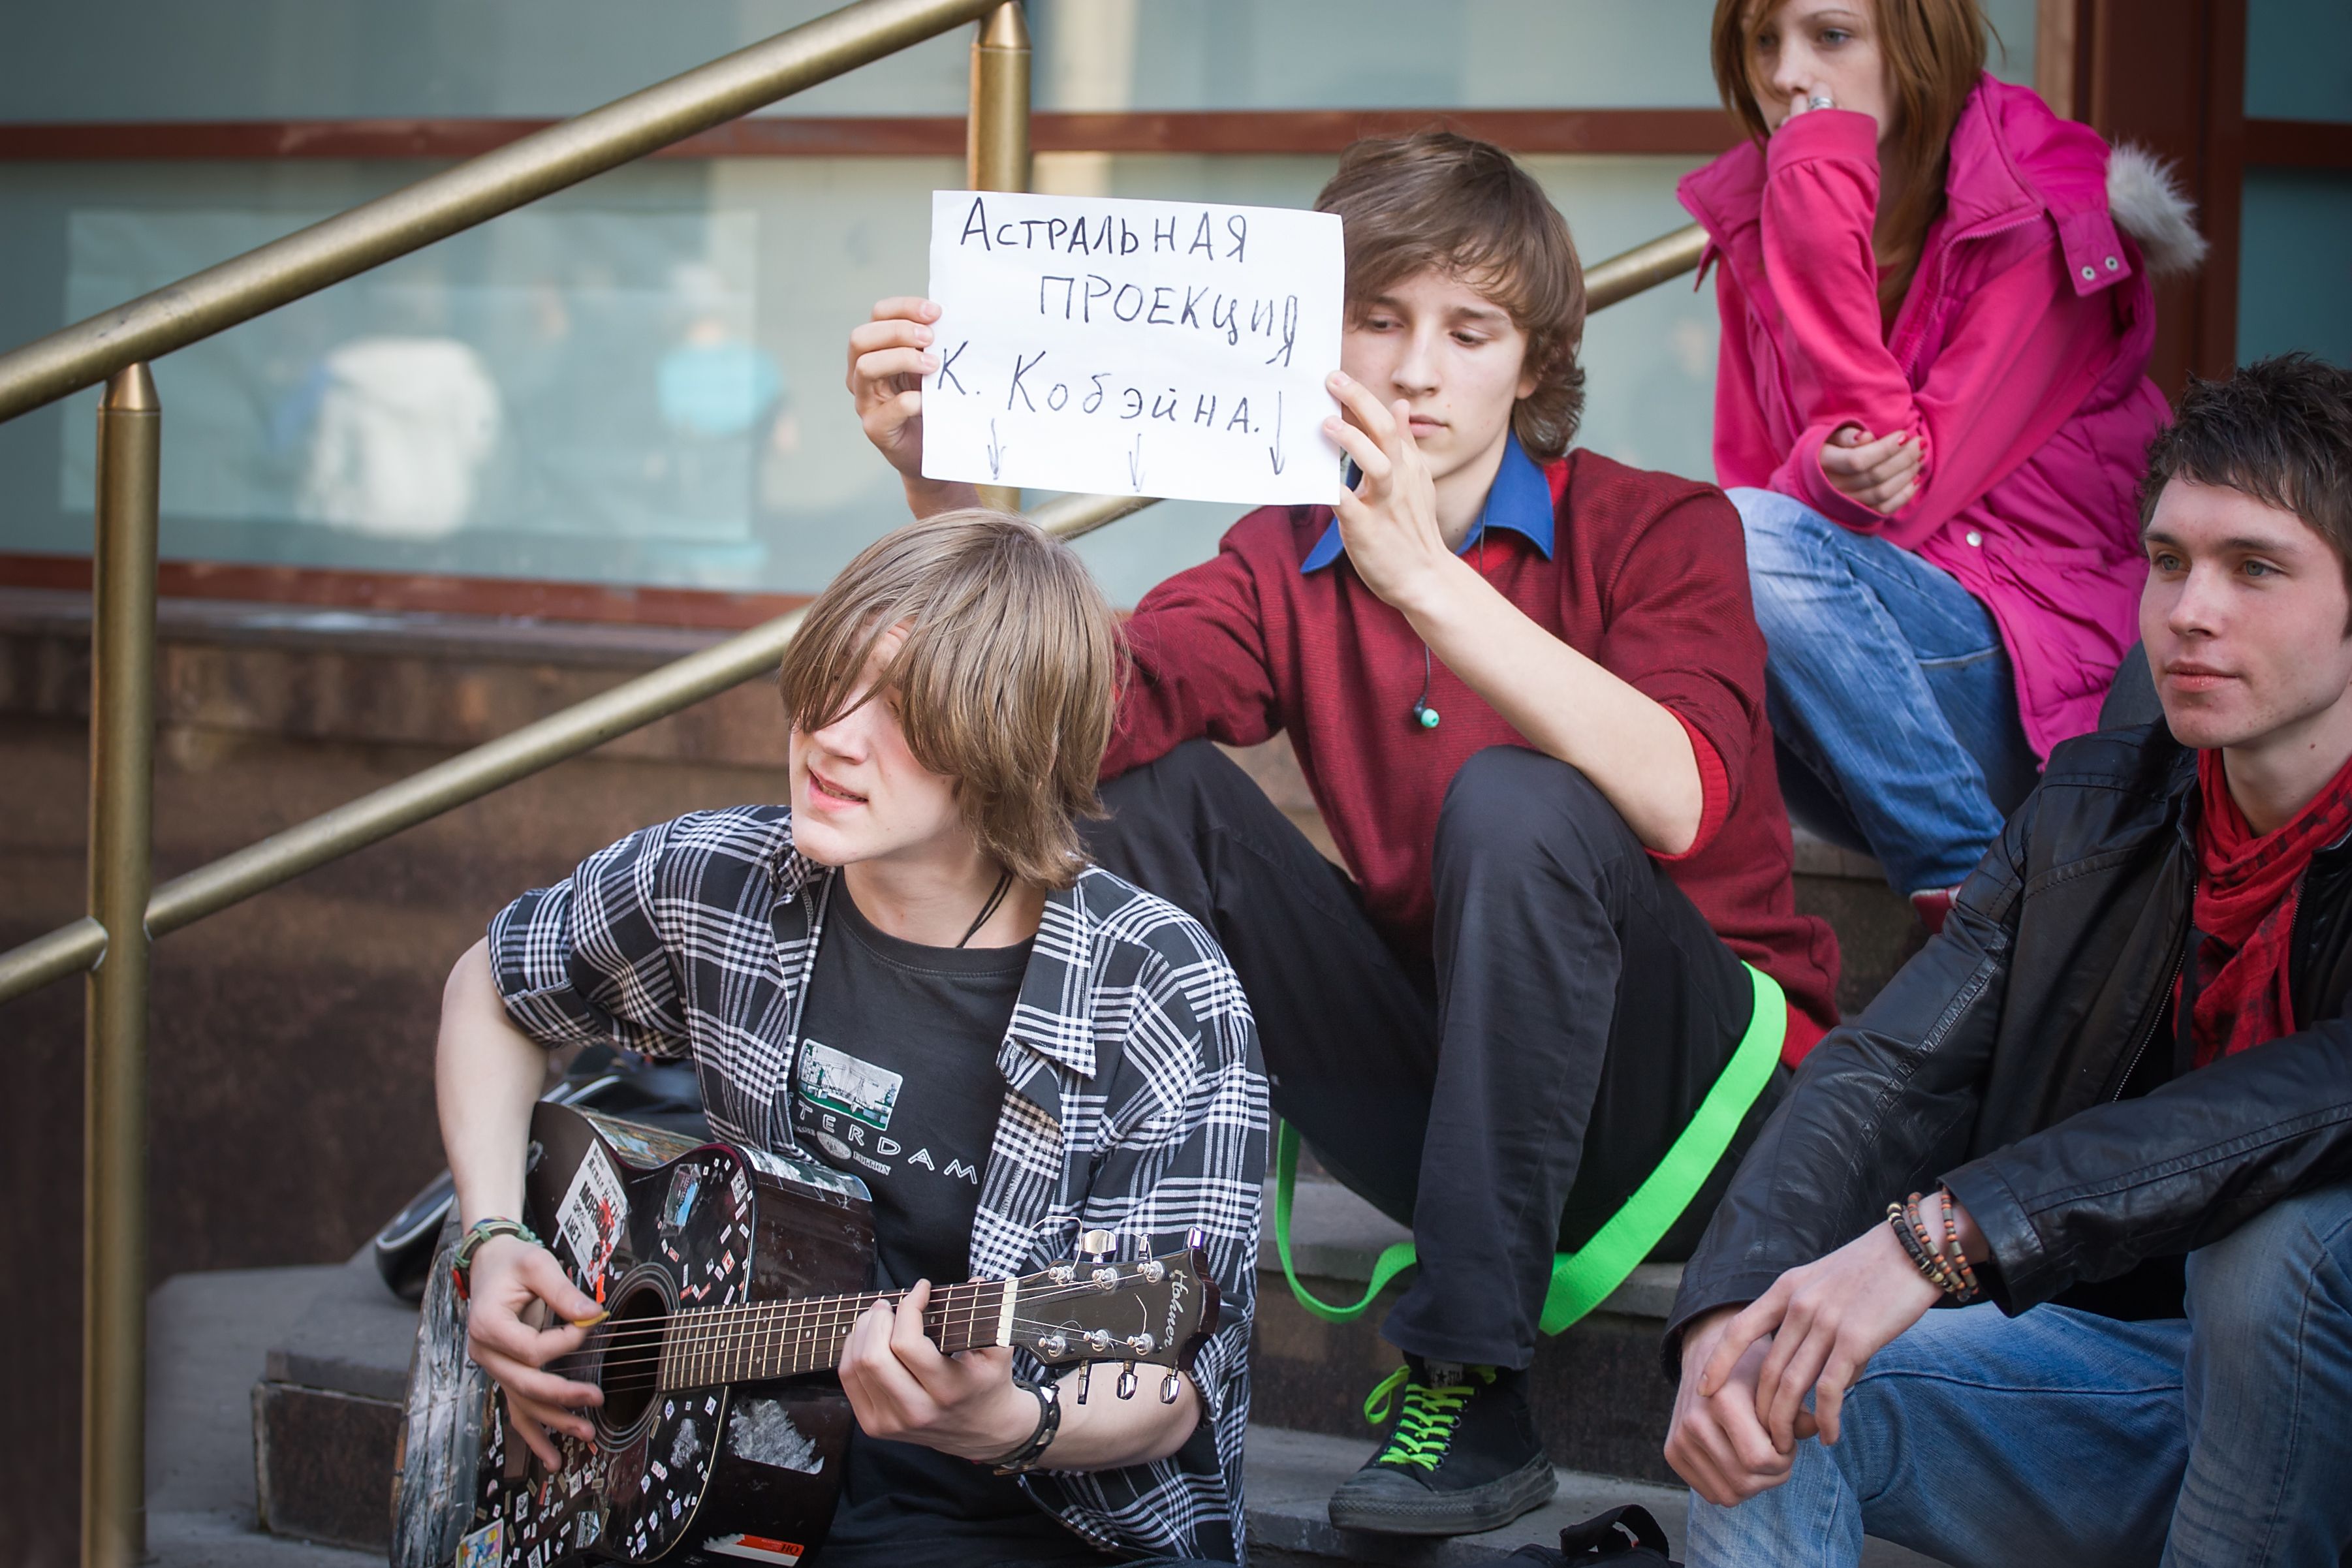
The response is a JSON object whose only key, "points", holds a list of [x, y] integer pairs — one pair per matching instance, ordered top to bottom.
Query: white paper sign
{"points": [[1135, 348]]}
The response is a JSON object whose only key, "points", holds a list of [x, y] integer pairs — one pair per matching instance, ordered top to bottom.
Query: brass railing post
{"points": [[996, 136], [114, 1152]]}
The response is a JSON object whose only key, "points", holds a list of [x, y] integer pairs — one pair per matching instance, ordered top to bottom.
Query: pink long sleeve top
{"points": [[2017, 361]]}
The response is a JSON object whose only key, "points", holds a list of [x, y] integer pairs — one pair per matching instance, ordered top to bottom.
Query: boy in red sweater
{"points": [[1525, 686]]}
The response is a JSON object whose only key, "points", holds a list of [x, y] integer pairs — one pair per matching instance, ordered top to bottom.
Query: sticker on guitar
{"points": [[594, 1213], [484, 1547], [757, 1547]]}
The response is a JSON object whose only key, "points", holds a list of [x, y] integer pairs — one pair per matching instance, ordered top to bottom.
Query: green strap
{"points": [[1393, 1261], [1582, 1279]]}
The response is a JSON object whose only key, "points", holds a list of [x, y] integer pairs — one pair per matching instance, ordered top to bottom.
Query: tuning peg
{"points": [[1098, 1246], [1085, 1371], [1126, 1381], [1170, 1387]]}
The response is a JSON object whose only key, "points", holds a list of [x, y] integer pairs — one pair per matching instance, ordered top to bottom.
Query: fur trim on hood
{"points": [[2147, 203]]}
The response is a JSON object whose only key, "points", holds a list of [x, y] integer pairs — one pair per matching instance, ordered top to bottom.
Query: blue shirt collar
{"points": [[1519, 499]]}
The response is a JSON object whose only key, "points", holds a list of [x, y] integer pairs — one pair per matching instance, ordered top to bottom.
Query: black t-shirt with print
{"points": [[898, 1082]]}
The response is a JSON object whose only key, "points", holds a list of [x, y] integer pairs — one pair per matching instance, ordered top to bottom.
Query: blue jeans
{"points": [[1888, 691], [2061, 1437]]}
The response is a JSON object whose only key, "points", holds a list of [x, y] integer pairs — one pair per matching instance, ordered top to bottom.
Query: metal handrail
{"points": [[471, 193], [1644, 268], [631, 706]]}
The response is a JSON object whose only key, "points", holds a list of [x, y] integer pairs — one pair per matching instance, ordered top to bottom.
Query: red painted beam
{"points": [[1689, 131]]}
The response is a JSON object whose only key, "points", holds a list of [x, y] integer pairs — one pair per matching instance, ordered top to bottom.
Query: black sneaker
{"points": [[1461, 1454]]}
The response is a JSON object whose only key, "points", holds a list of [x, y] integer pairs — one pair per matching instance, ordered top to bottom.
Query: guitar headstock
{"points": [[1093, 1309]]}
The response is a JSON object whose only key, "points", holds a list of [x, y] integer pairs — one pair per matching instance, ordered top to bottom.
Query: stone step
{"points": [[1877, 929], [208, 1334], [1601, 1401], [327, 1410], [307, 1452], [1290, 1478]]}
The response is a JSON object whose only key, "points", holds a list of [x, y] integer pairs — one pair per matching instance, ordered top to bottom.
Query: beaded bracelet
{"points": [[1917, 1221], [461, 1257], [1954, 1257], [1930, 1266], [1946, 1267], [1961, 1280], [1023, 1460]]}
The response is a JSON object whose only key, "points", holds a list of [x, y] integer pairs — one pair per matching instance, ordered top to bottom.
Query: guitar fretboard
{"points": [[784, 1339]]}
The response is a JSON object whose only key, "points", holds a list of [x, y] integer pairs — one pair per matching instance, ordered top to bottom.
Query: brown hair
{"points": [[1934, 52], [1434, 199], [2279, 430], [1007, 683]]}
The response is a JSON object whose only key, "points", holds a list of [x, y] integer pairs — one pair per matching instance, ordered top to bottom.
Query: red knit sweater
{"points": [[1648, 577]]}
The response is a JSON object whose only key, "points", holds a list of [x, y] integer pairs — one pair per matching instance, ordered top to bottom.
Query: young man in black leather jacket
{"points": [[2122, 1077]]}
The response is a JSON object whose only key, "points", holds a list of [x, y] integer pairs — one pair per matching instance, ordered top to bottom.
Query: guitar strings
{"points": [[706, 1322], [1034, 1325], [826, 1327], [772, 1335], [777, 1335], [807, 1355]]}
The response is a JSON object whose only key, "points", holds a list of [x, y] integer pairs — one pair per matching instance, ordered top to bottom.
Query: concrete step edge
{"points": [[1288, 1479]]}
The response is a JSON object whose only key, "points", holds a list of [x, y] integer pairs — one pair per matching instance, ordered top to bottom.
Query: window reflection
{"points": [[639, 382], [403, 425]]}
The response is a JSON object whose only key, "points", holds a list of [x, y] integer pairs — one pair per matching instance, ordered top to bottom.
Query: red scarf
{"points": [[2247, 889]]}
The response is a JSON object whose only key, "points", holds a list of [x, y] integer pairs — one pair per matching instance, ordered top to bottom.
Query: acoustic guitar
{"points": [[728, 1273]]}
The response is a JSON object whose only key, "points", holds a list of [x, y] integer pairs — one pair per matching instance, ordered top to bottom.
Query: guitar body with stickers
{"points": [[731, 1275]]}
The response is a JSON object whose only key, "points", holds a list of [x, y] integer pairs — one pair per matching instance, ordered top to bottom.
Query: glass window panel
{"points": [[1399, 54], [271, 59], [326, 59], [2298, 60], [2295, 281], [638, 381]]}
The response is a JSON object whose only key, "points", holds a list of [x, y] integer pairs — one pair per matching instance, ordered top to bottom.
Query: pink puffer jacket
{"points": [[2018, 361]]}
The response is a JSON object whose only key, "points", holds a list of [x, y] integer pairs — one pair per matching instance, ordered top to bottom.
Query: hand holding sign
{"points": [[1145, 348]]}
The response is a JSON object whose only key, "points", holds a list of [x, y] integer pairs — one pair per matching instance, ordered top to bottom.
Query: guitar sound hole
{"points": [[631, 1373]]}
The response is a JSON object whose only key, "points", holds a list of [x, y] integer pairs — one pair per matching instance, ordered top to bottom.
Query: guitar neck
{"points": [[784, 1339]]}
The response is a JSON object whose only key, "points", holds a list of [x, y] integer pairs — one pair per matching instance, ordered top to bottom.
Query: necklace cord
{"points": [[1422, 713], [1004, 884]]}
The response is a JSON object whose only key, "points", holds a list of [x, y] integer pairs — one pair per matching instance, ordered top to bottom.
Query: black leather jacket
{"points": [[1998, 1061]]}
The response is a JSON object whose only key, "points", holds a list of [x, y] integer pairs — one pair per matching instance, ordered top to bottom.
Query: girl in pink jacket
{"points": [[1931, 410]]}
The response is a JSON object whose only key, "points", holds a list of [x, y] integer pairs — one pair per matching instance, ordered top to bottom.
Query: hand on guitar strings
{"points": [[511, 1279], [902, 1387]]}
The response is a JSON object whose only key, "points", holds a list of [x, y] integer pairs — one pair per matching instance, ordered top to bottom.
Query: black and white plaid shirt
{"points": [[1135, 1099]]}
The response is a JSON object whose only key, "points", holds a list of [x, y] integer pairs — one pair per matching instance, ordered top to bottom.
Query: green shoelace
{"points": [[1424, 1428]]}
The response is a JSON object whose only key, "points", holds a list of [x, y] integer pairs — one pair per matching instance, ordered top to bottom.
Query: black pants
{"points": [[1503, 1094]]}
